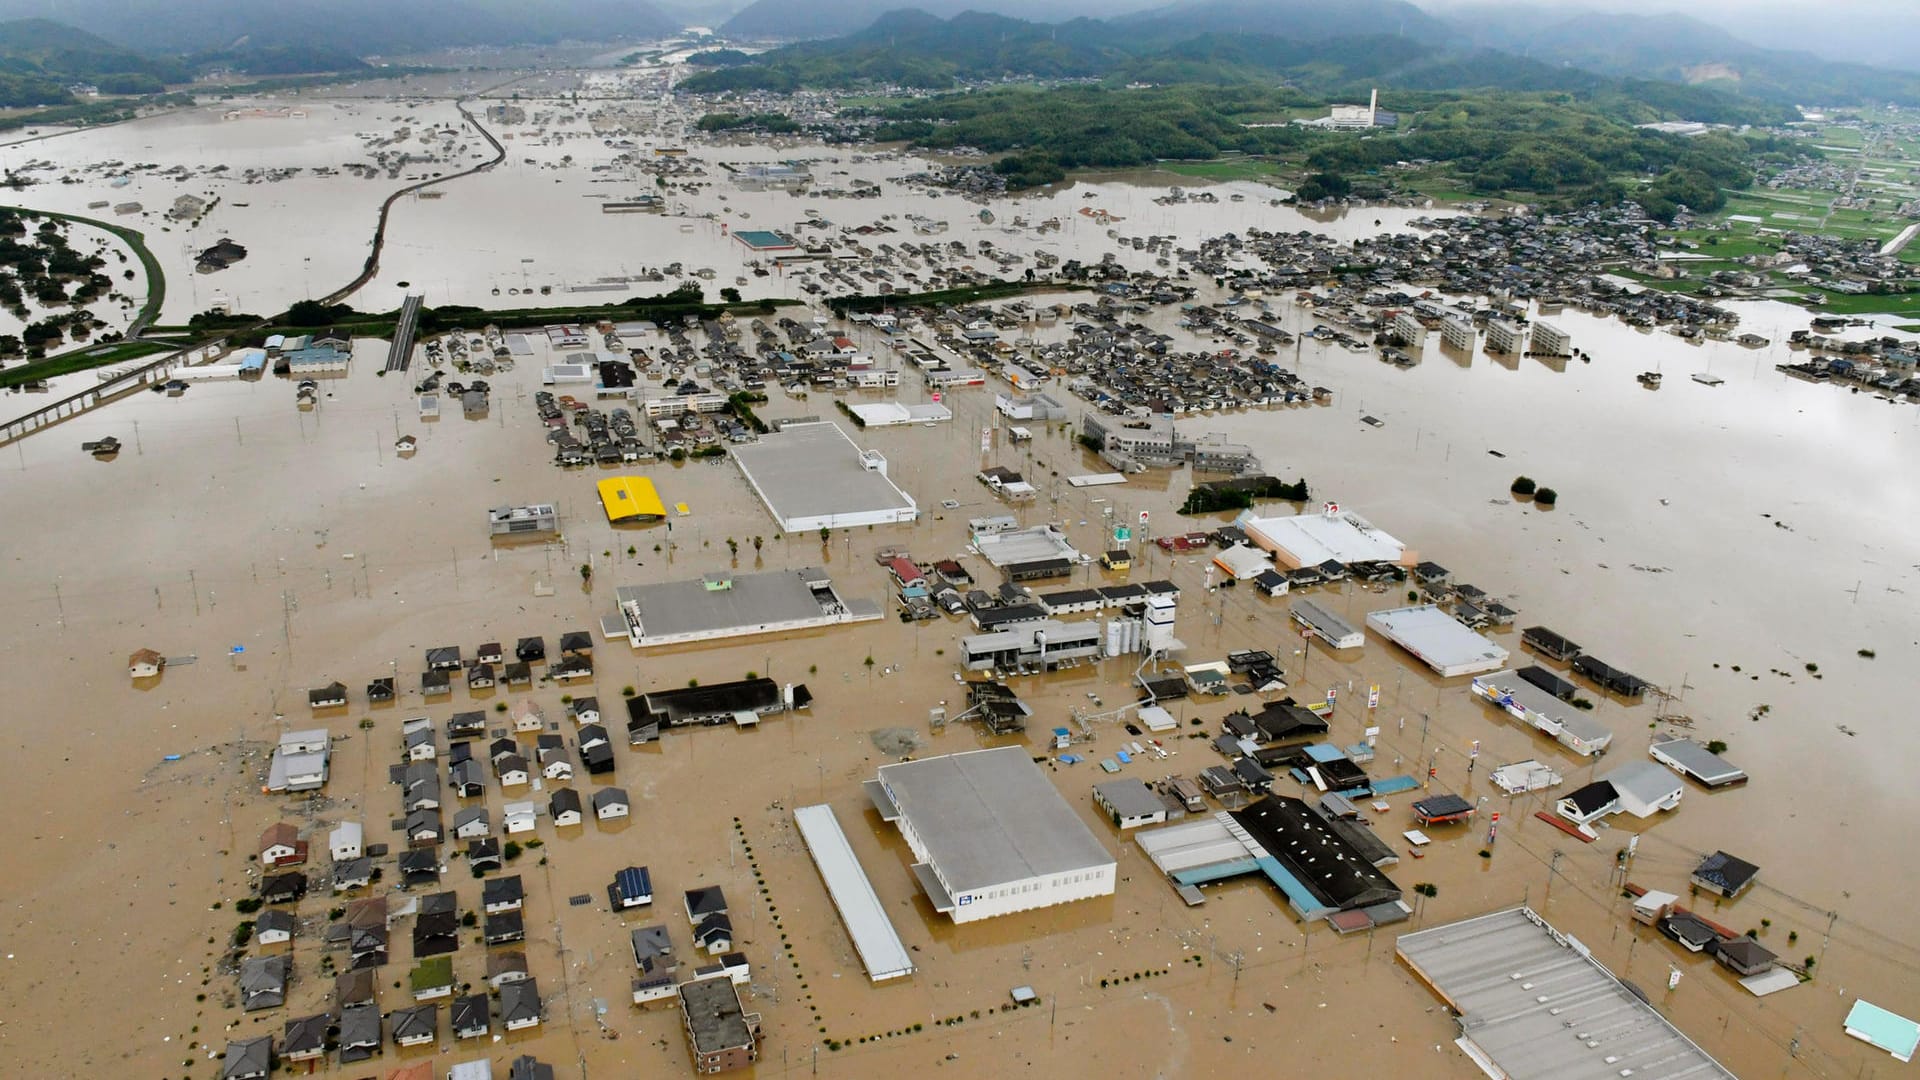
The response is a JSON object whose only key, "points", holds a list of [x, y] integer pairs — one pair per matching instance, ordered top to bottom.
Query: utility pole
{"points": [[1552, 866]]}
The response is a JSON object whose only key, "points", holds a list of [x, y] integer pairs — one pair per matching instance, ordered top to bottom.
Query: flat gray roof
{"points": [[809, 471], [773, 600], [1438, 639], [1696, 761], [1130, 797], [990, 817], [874, 938], [1537, 1004], [714, 1014]]}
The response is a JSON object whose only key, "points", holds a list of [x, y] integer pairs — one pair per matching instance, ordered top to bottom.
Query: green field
{"points": [[1224, 170], [1904, 306], [83, 358]]}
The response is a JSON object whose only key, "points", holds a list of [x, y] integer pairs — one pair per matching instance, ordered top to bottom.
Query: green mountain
{"points": [[786, 20], [1304, 20], [357, 27], [912, 48], [39, 59]]}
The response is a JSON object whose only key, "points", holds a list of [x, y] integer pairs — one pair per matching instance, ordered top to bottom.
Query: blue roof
{"points": [[1320, 752], [634, 881]]}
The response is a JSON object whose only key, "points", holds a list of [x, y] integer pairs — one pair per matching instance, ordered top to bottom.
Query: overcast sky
{"points": [[1883, 32]]}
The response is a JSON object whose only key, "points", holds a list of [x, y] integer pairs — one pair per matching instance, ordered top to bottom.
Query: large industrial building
{"points": [[811, 476], [1312, 539], [724, 605], [1438, 640], [991, 834], [1310, 857], [1532, 1002]]}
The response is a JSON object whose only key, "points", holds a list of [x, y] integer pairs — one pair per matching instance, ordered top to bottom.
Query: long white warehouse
{"points": [[874, 938]]}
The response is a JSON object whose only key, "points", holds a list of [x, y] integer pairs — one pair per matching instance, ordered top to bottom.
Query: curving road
{"points": [[386, 207]]}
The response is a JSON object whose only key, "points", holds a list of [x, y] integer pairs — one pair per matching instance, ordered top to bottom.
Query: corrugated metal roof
{"points": [[881, 951]]}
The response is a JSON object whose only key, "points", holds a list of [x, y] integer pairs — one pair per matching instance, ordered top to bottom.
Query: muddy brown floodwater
{"points": [[1723, 542]]}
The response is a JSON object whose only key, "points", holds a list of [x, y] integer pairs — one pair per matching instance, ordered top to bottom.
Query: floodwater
{"points": [[1763, 523]]}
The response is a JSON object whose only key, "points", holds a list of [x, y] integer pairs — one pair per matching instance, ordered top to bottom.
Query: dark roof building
{"points": [[1323, 872], [1724, 874]]}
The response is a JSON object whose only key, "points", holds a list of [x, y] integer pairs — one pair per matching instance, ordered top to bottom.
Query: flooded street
{"points": [[1764, 524]]}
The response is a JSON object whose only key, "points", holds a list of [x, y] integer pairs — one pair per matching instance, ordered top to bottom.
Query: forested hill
{"points": [[357, 27], [1328, 48], [914, 49], [40, 59]]}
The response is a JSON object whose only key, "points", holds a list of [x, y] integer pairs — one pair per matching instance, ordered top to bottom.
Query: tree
{"points": [[730, 294], [1522, 485], [1546, 497], [826, 534], [758, 541], [733, 547], [586, 572]]}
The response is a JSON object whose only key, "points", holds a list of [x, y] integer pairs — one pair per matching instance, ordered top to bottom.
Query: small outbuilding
{"points": [[145, 664]]}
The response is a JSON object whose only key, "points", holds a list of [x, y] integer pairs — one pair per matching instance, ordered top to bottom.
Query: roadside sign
{"points": [[936, 397], [1143, 517], [1122, 534], [1333, 693], [1373, 696]]}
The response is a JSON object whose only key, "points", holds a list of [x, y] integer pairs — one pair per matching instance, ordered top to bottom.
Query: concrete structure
{"points": [[1407, 330], [1458, 333], [1504, 337], [1550, 340], [1043, 407], [893, 414], [1160, 446], [811, 476], [630, 498], [530, 520], [1312, 539], [1007, 547], [724, 605], [1324, 625], [1437, 640], [1046, 643], [1536, 708], [1129, 803], [991, 833], [874, 938], [1533, 1003], [721, 1034]]}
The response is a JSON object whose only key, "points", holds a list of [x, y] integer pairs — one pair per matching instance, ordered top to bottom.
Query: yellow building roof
{"points": [[631, 498]]}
